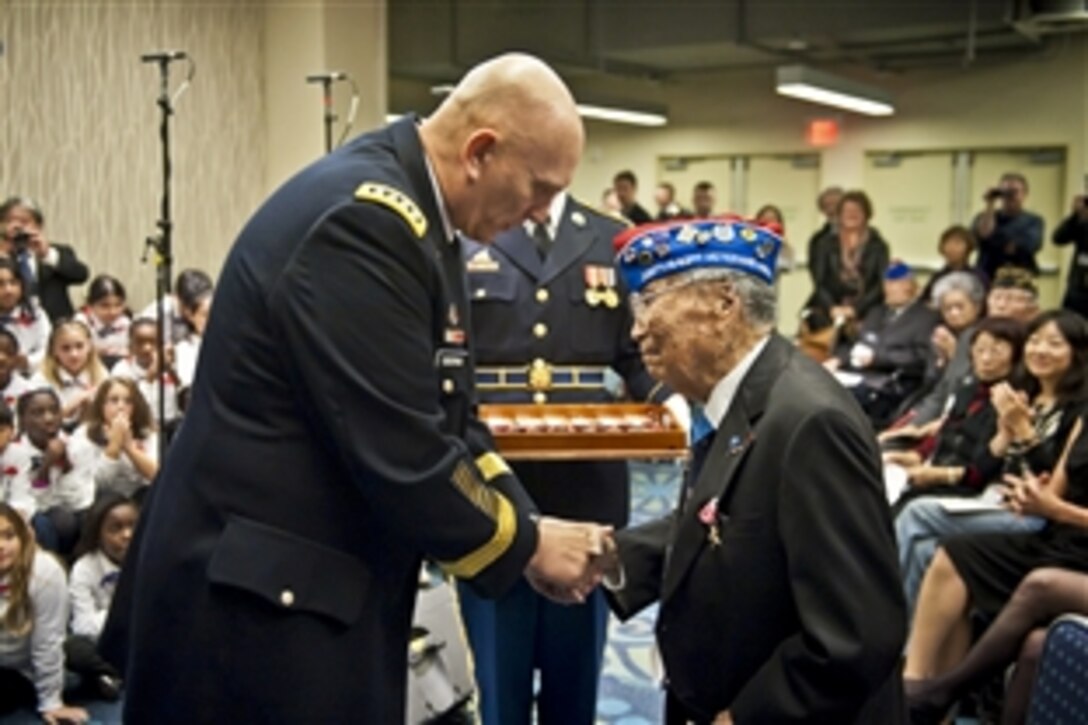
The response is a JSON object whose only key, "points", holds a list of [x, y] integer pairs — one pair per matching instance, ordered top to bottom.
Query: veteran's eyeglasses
{"points": [[641, 302]]}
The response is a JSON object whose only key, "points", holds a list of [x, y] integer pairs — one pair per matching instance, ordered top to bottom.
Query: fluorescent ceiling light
{"points": [[808, 84], [616, 114], [622, 115]]}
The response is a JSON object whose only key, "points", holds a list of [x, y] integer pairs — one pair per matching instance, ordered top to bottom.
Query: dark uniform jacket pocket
{"points": [[288, 571]]}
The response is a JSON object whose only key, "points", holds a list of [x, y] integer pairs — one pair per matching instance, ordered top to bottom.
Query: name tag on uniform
{"points": [[482, 262], [450, 358]]}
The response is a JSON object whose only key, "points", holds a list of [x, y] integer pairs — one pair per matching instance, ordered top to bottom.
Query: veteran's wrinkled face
{"points": [[680, 328]]}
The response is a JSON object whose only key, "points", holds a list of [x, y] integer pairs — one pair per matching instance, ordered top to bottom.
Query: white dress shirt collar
{"points": [[555, 215], [721, 397]]}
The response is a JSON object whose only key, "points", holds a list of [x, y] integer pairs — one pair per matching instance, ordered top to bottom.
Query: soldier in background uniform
{"points": [[550, 315], [330, 444]]}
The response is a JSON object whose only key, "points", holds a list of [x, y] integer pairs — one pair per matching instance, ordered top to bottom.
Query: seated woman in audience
{"points": [[956, 246], [848, 263], [1012, 295], [959, 297], [181, 309], [106, 316], [22, 317], [142, 366], [72, 368], [1034, 425], [118, 442], [951, 455], [50, 483], [100, 553], [980, 572], [33, 620], [1016, 635]]}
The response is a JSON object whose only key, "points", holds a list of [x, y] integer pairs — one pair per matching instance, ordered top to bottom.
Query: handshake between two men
{"points": [[571, 559]]}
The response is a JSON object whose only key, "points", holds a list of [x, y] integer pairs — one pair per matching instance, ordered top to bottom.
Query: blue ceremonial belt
{"points": [[540, 376]]}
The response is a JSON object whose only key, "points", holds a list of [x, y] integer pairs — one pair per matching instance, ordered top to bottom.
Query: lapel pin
{"points": [[578, 218]]}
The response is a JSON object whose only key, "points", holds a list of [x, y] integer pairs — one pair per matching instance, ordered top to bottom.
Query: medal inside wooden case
{"points": [[585, 431]]}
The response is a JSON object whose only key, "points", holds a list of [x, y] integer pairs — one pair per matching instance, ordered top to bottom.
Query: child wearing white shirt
{"points": [[100, 553], [33, 619]]}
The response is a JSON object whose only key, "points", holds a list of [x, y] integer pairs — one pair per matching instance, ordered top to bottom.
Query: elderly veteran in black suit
{"points": [[330, 444], [776, 574]]}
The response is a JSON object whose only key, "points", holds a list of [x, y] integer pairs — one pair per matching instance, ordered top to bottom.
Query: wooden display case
{"points": [[585, 431]]}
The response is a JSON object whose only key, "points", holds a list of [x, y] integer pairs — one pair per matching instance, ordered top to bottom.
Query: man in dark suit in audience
{"points": [[626, 185], [48, 268], [550, 316], [893, 348], [330, 443], [776, 574]]}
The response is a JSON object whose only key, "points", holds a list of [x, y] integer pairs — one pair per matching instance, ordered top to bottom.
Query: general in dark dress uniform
{"points": [[550, 316], [330, 443]]}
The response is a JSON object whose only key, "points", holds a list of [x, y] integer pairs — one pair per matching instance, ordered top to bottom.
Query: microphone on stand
{"points": [[157, 56], [333, 75]]}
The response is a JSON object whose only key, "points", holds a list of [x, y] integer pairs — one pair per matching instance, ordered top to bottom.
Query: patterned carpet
{"points": [[629, 694]]}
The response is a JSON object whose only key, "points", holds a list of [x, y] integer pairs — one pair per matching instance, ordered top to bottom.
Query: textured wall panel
{"points": [[79, 126]]}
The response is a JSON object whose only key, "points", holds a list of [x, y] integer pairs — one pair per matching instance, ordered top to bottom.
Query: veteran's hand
{"points": [[562, 567], [724, 718]]}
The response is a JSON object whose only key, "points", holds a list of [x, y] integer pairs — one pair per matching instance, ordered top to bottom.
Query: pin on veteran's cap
{"points": [[654, 251]]}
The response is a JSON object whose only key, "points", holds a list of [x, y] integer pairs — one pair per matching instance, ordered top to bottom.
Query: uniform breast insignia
{"points": [[396, 200], [482, 261], [601, 286]]}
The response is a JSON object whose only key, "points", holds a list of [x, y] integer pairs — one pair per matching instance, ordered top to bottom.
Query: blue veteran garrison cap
{"points": [[654, 251]]}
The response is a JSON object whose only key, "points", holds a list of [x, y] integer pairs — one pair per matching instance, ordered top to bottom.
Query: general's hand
{"points": [[561, 567], [65, 714], [723, 718]]}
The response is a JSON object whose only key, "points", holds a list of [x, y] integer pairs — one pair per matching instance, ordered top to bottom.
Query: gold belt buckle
{"points": [[540, 376]]}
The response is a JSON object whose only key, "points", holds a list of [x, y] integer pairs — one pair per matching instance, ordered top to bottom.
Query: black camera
{"points": [[997, 193], [21, 241]]}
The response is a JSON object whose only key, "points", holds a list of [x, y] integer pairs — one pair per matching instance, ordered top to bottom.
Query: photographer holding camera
{"points": [[1074, 230], [1009, 235], [47, 269]]}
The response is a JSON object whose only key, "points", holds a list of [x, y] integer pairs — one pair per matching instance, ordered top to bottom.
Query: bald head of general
{"points": [[503, 144]]}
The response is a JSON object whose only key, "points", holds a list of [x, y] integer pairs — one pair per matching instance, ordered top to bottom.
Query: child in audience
{"points": [[195, 301], [182, 309], [23, 317], [107, 317], [142, 366], [72, 368], [12, 385], [118, 441], [14, 468], [54, 483], [100, 553], [33, 619]]}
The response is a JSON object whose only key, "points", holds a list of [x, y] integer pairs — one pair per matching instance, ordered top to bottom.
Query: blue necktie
{"points": [[27, 274], [701, 427], [702, 438]]}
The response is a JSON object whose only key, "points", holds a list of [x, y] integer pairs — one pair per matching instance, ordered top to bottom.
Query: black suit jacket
{"points": [[54, 281], [505, 284], [901, 343], [329, 446], [798, 615]]}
